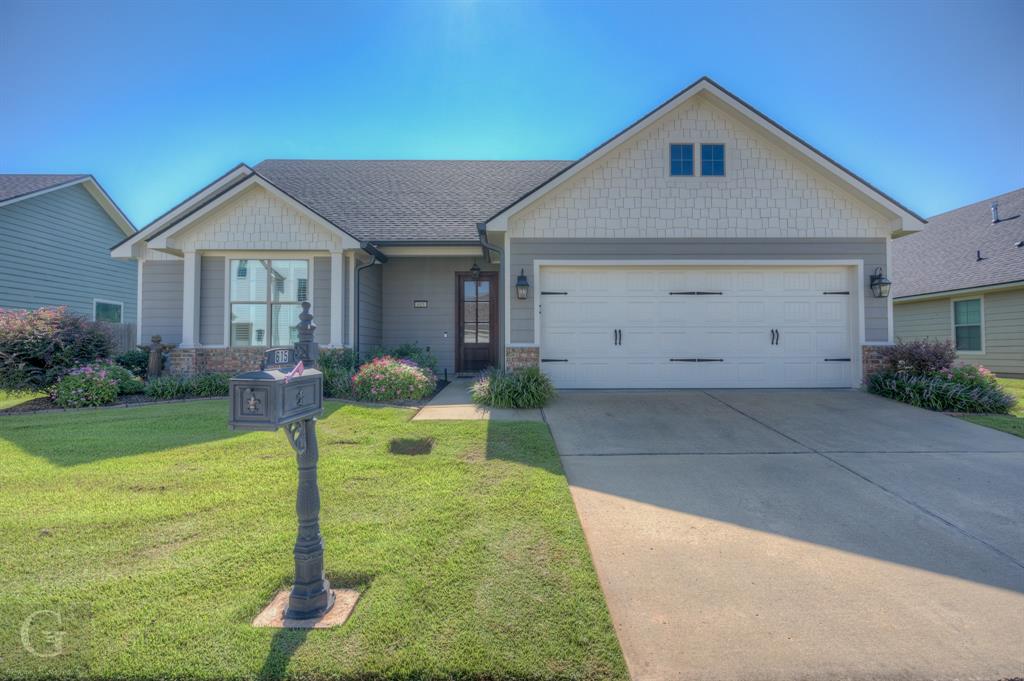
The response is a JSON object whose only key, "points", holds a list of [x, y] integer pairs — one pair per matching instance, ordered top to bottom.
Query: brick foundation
{"points": [[519, 358], [871, 359], [193, 361]]}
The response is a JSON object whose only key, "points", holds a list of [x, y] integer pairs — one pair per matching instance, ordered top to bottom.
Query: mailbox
{"points": [[275, 396]]}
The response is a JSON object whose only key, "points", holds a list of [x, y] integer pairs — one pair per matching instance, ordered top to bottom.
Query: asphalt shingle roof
{"points": [[13, 186], [384, 201], [943, 255]]}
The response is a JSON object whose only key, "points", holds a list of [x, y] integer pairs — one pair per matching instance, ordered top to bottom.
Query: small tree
{"points": [[38, 347]]}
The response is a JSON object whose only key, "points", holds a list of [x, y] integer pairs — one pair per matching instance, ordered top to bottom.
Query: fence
{"points": [[122, 334]]}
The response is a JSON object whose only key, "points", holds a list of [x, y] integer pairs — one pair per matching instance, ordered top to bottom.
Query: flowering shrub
{"points": [[37, 347], [411, 351], [918, 357], [387, 379], [127, 382], [85, 386], [526, 388], [966, 389]]}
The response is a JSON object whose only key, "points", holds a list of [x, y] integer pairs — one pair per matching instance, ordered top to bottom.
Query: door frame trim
{"points": [[856, 264], [492, 316]]}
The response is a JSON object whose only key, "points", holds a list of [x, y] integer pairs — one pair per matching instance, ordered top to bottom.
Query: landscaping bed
{"points": [[156, 534]]}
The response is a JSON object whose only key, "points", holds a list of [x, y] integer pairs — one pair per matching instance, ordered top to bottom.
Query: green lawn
{"points": [[8, 400], [1011, 423], [156, 535]]}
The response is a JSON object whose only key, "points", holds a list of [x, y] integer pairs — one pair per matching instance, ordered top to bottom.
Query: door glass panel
{"points": [[468, 290], [484, 290], [483, 311], [468, 312], [483, 332], [469, 333]]}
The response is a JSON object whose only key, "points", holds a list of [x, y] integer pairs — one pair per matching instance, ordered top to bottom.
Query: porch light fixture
{"points": [[474, 271], [522, 285], [880, 286]]}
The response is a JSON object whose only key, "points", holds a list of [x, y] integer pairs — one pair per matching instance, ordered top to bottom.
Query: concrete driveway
{"points": [[799, 534]]}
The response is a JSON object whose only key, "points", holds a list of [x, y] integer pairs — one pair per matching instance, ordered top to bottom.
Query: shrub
{"points": [[37, 347], [410, 351], [918, 357], [135, 361], [338, 367], [386, 379], [127, 382], [209, 385], [85, 386], [167, 388], [519, 389], [963, 389]]}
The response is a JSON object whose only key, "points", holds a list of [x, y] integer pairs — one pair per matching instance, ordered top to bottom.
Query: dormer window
{"points": [[681, 159], [712, 160]]}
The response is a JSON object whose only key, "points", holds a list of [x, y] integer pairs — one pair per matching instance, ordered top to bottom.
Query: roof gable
{"points": [[20, 186], [909, 221]]}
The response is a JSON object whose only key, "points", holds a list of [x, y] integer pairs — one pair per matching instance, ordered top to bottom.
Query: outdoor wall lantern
{"points": [[474, 271], [522, 285], [880, 286], [287, 392]]}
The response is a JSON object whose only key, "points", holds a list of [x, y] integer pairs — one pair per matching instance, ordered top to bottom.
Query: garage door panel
{"points": [[732, 319]]}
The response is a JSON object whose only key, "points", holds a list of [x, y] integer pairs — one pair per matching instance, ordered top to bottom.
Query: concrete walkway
{"points": [[453, 403], [799, 534]]}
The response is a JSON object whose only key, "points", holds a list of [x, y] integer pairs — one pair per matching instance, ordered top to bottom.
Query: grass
{"points": [[8, 399], [1013, 422], [155, 535]]}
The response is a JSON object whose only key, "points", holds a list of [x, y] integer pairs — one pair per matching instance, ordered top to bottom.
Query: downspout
{"points": [[481, 228], [489, 248], [376, 257]]}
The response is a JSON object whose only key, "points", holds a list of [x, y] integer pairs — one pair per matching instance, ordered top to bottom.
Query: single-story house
{"points": [[57, 232], [702, 246], [962, 279]]}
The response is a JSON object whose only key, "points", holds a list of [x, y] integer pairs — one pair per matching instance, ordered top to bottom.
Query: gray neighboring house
{"points": [[57, 231], [702, 246], [962, 279]]}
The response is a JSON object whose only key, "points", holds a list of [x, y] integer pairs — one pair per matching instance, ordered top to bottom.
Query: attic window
{"points": [[681, 159], [712, 160]]}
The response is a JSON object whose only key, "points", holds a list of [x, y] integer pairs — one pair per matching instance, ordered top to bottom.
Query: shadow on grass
{"points": [[75, 438]]}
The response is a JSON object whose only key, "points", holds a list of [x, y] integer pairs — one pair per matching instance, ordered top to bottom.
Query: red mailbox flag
{"points": [[297, 371]]}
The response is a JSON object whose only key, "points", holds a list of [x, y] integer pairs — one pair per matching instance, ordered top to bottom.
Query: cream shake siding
{"points": [[768, 190], [1003, 319]]}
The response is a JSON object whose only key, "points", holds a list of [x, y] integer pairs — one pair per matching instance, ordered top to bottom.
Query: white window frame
{"points": [[309, 258], [119, 303], [952, 323]]}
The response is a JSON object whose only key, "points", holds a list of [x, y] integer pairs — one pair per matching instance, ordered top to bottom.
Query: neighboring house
{"points": [[57, 231], [702, 246], [962, 279]]}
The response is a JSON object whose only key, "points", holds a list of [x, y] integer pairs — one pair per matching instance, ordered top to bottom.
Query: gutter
{"points": [[488, 247], [376, 258]]}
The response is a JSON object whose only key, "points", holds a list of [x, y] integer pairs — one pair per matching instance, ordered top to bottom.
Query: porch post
{"points": [[337, 299], [190, 301], [351, 304]]}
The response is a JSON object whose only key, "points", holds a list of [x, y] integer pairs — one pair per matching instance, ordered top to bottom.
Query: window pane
{"points": [[681, 159], [712, 159], [248, 280], [290, 280], [483, 289], [469, 290], [967, 311], [108, 312], [285, 321], [249, 324], [483, 332], [469, 333], [968, 338]]}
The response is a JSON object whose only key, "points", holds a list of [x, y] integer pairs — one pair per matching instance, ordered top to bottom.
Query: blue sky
{"points": [[924, 100]]}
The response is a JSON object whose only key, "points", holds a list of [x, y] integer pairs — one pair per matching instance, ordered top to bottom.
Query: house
{"points": [[57, 232], [702, 246], [962, 279]]}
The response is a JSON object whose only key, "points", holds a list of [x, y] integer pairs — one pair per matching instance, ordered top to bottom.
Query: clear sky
{"points": [[924, 100]]}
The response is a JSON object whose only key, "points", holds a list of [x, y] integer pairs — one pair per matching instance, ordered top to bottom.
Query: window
{"points": [[681, 159], [712, 160], [265, 297], [106, 311], [967, 325]]}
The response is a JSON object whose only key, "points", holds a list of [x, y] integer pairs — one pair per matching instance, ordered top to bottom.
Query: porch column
{"points": [[337, 300], [190, 301], [351, 306]]}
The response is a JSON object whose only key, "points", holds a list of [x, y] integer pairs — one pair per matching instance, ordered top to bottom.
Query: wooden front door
{"points": [[476, 344]]}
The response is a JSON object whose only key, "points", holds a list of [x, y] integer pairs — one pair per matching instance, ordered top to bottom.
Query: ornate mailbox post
{"points": [[279, 395]]}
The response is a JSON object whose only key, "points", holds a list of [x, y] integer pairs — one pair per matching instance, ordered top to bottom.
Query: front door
{"points": [[477, 317]]}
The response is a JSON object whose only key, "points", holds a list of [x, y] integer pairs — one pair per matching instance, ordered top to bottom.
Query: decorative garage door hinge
{"points": [[554, 293], [695, 293], [835, 293], [696, 359], [837, 359], [554, 360]]}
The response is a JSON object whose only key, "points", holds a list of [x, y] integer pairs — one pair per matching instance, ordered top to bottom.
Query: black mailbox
{"points": [[275, 396]]}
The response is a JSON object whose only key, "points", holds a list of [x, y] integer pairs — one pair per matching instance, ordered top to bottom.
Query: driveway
{"points": [[799, 534]]}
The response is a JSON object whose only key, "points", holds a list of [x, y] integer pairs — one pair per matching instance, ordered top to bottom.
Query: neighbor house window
{"points": [[681, 159], [712, 160], [265, 300], [106, 311], [967, 325]]}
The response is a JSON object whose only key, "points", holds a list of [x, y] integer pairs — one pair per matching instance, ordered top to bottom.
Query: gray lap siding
{"points": [[525, 251], [162, 298]]}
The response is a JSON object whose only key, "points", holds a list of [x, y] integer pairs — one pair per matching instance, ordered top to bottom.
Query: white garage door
{"points": [[697, 327]]}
